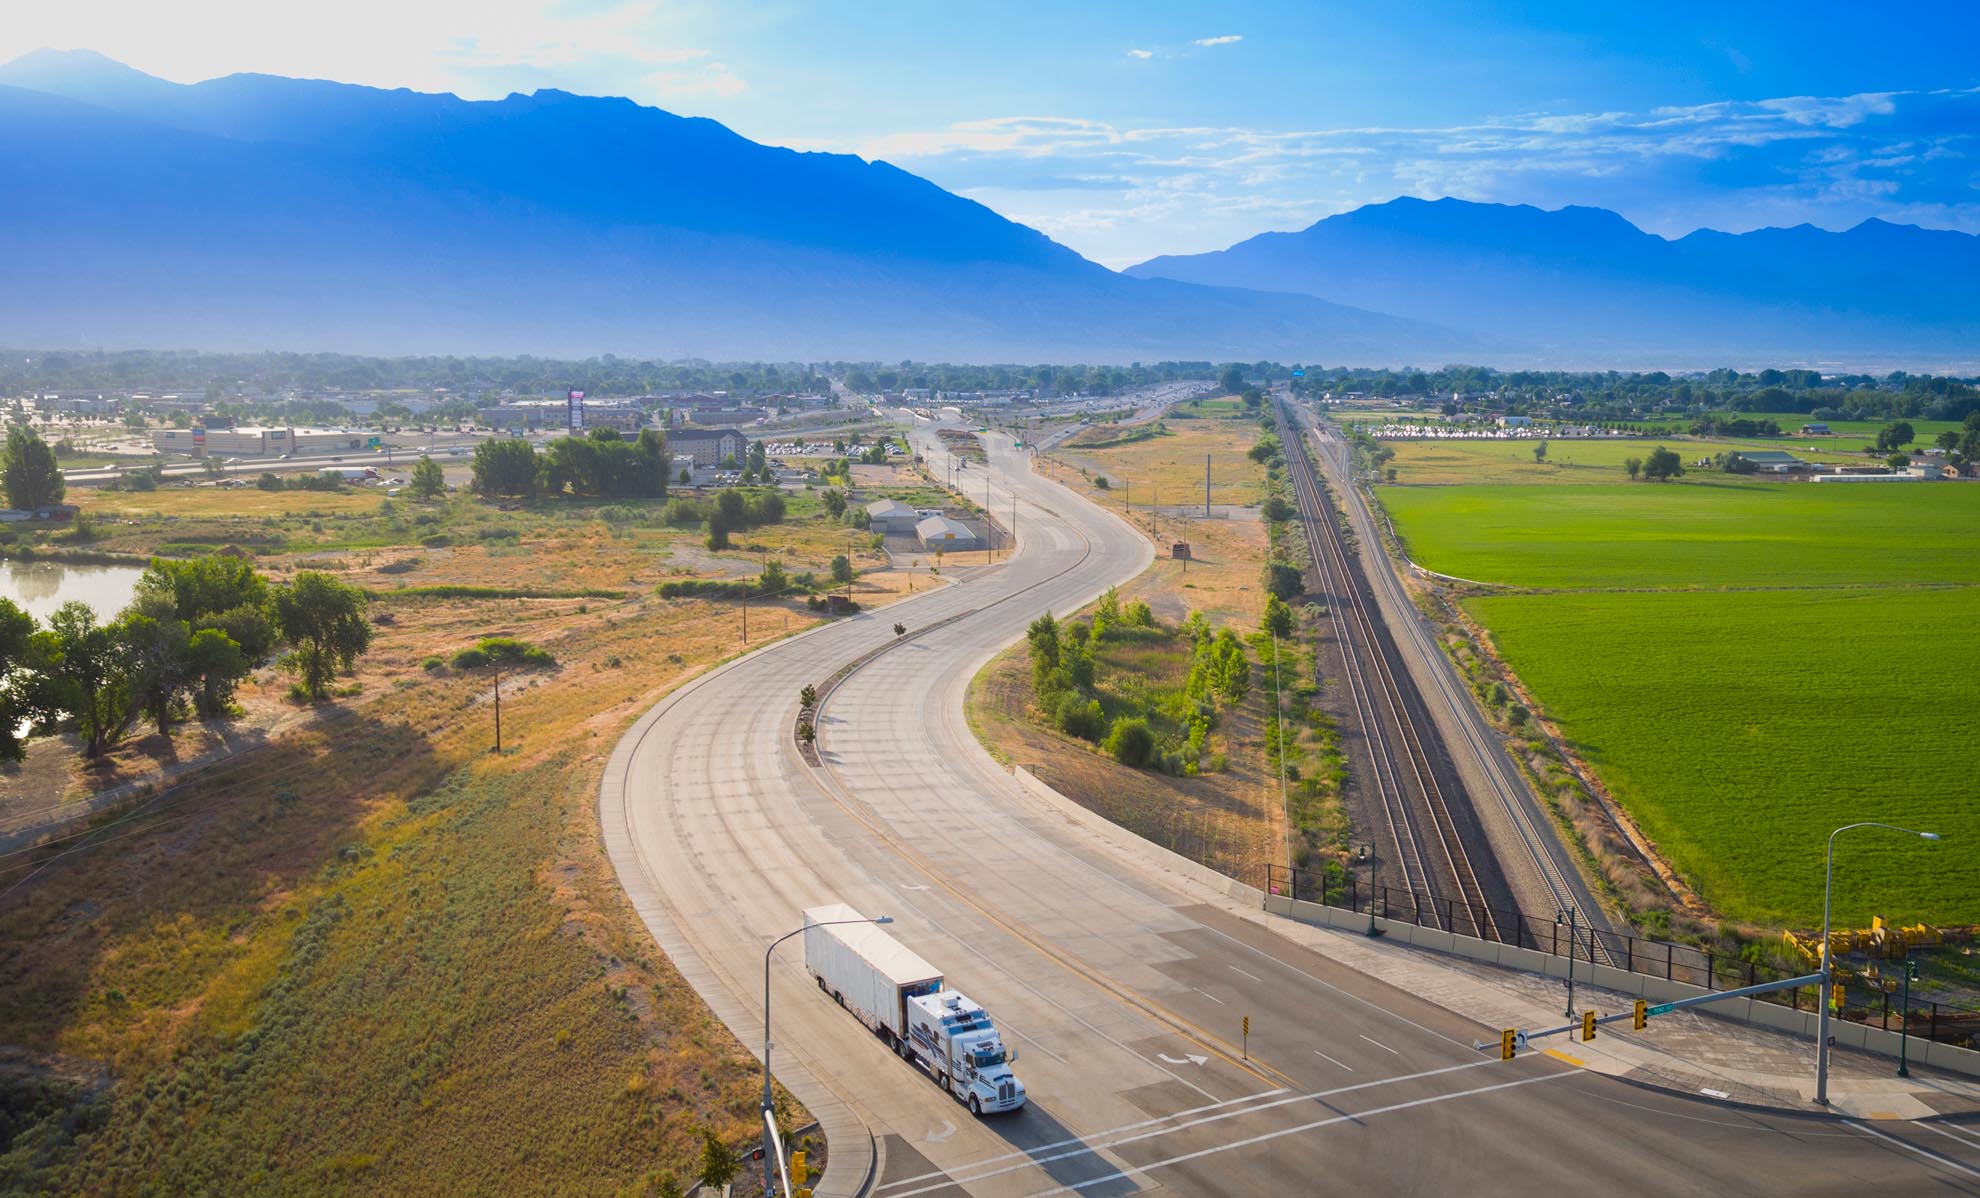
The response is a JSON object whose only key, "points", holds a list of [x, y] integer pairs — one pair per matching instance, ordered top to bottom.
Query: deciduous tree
{"points": [[31, 477], [323, 621]]}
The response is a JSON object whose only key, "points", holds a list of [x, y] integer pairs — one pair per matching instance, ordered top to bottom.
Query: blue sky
{"points": [[1127, 130]]}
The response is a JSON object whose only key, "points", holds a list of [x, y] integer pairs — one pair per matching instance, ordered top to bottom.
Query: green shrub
{"points": [[436, 540], [1081, 717], [1131, 741]]}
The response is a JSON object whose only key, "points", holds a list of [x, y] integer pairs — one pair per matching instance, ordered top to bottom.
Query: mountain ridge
{"points": [[253, 211], [1588, 278]]}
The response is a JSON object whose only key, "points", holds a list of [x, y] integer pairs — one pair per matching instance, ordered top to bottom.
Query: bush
{"points": [[1277, 509], [436, 540], [1282, 579], [433, 664], [1083, 719], [1131, 742]]}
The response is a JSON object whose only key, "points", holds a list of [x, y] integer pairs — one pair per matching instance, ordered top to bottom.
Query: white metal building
{"points": [[887, 516], [948, 534]]}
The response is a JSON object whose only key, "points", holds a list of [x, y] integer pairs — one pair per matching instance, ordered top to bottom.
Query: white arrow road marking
{"points": [[904, 886], [1188, 1059], [948, 1129]]}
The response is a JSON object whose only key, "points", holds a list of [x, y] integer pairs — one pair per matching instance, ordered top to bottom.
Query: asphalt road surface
{"points": [[1122, 986]]}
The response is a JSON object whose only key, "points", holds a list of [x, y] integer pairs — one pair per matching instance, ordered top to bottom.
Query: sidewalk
{"points": [[1688, 1052]]}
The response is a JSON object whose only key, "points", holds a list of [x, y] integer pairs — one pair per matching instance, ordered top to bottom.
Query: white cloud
{"points": [[1225, 40], [479, 49], [1141, 53], [1122, 194]]}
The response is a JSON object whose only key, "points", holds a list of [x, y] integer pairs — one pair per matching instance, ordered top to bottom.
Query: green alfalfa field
{"points": [[1747, 667]]}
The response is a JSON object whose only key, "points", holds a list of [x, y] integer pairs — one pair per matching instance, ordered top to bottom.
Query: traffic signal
{"points": [[1641, 1016], [1588, 1025], [1506, 1044]]}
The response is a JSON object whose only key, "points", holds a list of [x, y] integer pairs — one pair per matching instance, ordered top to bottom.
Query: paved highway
{"points": [[1121, 981]]}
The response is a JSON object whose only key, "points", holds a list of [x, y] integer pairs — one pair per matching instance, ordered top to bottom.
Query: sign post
{"points": [[575, 401]]}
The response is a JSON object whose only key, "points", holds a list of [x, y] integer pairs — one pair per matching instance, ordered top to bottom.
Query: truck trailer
{"points": [[902, 999]]}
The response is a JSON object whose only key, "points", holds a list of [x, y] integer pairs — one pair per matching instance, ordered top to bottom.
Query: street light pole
{"points": [[1828, 966], [1570, 976], [1904, 1015], [769, 1166]]}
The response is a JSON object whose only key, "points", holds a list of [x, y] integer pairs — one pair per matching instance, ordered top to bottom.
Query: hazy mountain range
{"points": [[258, 212], [1586, 286]]}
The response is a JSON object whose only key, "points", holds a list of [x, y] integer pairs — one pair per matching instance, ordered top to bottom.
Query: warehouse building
{"points": [[888, 516], [942, 532]]}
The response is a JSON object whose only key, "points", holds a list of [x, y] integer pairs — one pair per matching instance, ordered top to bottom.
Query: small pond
{"points": [[41, 587]]}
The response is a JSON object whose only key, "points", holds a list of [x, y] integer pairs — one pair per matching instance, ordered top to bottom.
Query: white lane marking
{"points": [[1241, 973], [1326, 985], [1205, 993], [1379, 1044], [1188, 1059], [1343, 1064], [1126, 1127], [1958, 1128], [1962, 1141], [1089, 1145], [1936, 1158], [1123, 1174]]}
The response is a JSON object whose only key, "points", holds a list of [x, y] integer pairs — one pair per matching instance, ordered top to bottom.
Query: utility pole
{"points": [[1206, 486], [498, 709]]}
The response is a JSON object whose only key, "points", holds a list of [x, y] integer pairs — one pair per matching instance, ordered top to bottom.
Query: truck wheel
{"points": [[942, 1080], [975, 1107]]}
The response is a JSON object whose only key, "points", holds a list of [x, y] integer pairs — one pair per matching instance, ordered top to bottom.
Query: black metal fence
{"points": [[1863, 1001]]}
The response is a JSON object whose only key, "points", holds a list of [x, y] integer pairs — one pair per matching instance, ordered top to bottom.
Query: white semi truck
{"points": [[902, 999]]}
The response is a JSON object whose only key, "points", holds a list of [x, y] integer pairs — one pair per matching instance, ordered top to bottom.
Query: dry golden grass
{"points": [[1168, 468], [215, 501], [396, 961]]}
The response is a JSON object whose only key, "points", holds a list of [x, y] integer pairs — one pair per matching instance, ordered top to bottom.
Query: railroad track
{"points": [[1413, 804], [1536, 840]]}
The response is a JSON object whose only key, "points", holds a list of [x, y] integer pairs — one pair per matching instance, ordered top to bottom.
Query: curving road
{"points": [[1118, 973]]}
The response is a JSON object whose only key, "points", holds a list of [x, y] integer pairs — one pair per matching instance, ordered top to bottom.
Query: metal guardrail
{"points": [[1688, 964]]}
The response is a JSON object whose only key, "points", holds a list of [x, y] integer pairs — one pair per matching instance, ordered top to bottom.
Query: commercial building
{"points": [[258, 442], [708, 446], [889, 516], [942, 532]]}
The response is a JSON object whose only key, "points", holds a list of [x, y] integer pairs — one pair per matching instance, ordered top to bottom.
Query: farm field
{"points": [[1598, 462], [1685, 535], [1746, 666], [1741, 728]]}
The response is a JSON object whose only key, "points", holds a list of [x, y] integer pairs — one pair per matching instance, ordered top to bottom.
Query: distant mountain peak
{"points": [[255, 211], [1586, 284]]}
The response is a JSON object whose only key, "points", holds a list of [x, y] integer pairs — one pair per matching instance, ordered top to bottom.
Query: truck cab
{"points": [[956, 1041]]}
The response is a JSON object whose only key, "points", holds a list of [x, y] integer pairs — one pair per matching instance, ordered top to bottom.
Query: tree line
{"points": [[601, 463], [191, 633]]}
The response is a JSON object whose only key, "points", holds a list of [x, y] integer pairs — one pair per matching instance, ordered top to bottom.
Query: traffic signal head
{"points": [[1641, 1016], [1588, 1025], [1506, 1044]]}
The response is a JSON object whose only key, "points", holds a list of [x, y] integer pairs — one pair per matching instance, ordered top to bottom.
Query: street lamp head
{"points": [[1929, 835], [884, 919]]}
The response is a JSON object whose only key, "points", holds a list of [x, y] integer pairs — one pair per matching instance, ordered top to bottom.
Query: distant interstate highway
{"points": [[1121, 983]]}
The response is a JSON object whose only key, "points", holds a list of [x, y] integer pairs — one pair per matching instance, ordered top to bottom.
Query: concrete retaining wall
{"points": [[1757, 1012]]}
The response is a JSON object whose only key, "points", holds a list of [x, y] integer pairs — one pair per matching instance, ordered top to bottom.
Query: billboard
{"points": [[576, 411]]}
